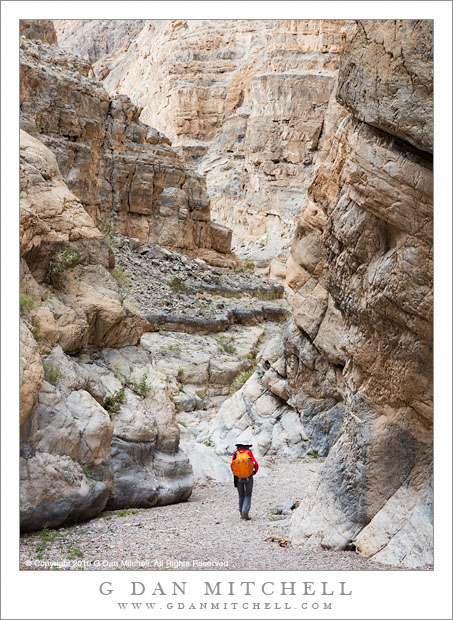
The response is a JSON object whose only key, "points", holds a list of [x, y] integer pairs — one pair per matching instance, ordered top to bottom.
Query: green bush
{"points": [[247, 267], [56, 268], [120, 276], [177, 285], [26, 302], [37, 334], [226, 345], [51, 372], [240, 380], [141, 387], [112, 404], [87, 471], [46, 536], [72, 553]]}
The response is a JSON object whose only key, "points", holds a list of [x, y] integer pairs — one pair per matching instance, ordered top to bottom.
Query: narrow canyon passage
{"points": [[226, 236]]}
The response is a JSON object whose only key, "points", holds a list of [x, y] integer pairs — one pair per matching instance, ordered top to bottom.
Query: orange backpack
{"points": [[242, 465]]}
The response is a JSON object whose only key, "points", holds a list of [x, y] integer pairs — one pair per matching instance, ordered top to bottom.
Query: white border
{"points": [[376, 595]]}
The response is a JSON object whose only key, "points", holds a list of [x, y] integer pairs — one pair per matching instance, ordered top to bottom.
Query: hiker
{"points": [[244, 466]]}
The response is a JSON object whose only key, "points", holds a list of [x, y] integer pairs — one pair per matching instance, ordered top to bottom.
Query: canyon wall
{"points": [[243, 101], [125, 173], [370, 210], [97, 426]]}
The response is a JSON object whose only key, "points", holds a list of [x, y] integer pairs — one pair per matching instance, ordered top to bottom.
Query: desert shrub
{"points": [[57, 267], [247, 267], [120, 276], [177, 285], [26, 302], [37, 334], [226, 345], [51, 372], [240, 380], [141, 387], [112, 403], [87, 471]]}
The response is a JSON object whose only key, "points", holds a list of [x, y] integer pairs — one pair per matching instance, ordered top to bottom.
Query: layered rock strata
{"points": [[96, 38], [244, 101], [125, 173], [369, 221], [180, 293], [97, 427]]}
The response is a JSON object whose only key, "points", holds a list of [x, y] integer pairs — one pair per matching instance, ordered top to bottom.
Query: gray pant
{"points": [[245, 488]]}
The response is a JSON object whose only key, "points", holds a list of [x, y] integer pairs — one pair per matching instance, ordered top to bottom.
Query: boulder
{"points": [[54, 490]]}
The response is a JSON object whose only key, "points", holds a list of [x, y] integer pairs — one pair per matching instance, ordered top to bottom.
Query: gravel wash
{"points": [[204, 533]]}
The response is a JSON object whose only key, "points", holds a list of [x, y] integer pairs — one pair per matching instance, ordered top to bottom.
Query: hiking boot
{"points": [[245, 516]]}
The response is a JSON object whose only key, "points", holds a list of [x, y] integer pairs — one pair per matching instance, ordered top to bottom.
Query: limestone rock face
{"points": [[42, 29], [93, 39], [386, 78], [243, 101], [125, 173], [367, 226], [87, 309], [31, 372], [287, 407], [88, 438], [128, 457], [54, 490]]}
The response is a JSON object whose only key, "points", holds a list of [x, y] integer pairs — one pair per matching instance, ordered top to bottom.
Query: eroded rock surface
{"points": [[95, 38], [386, 78], [243, 101], [345, 169], [125, 173], [370, 215], [181, 293], [87, 309], [100, 429]]}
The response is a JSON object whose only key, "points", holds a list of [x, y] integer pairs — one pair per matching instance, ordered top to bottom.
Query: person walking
{"points": [[244, 466]]}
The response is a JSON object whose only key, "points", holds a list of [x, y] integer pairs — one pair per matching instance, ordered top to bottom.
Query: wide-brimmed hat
{"points": [[244, 445]]}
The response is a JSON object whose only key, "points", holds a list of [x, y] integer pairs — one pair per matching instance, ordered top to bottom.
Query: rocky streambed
{"points": [[204, 533]]}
